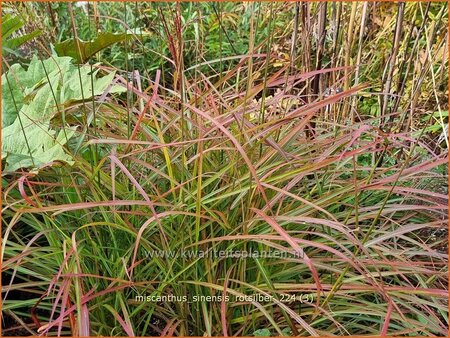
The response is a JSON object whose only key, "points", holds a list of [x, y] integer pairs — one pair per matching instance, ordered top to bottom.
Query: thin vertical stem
{"points": [[392, 61]]}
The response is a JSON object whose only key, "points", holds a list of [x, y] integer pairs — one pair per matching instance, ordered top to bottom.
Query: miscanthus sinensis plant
{"points": [[225, 201]]}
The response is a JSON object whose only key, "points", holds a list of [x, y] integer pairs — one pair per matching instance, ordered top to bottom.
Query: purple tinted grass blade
{"points": [[146, 197], [295, 246]]}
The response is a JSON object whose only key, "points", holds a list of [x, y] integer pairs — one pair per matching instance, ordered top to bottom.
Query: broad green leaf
{"points": [[11, 24], [20, 40], [83, 50], [30, 142], [44, 146]]}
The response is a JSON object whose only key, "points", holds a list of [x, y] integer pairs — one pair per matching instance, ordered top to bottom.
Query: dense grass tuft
{"points": [[281, 172]]}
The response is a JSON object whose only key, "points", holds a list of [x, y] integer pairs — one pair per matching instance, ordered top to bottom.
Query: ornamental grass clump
{"points": [[241, 195]]}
